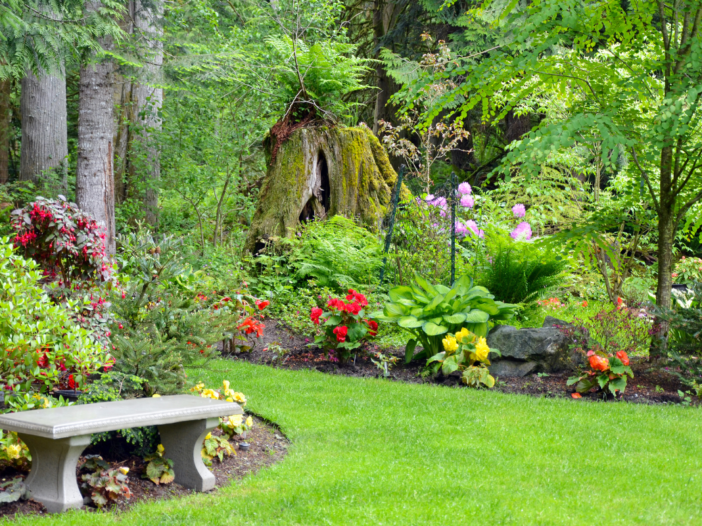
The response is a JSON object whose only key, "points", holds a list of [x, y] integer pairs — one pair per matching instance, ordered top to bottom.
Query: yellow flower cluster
{"points": [[464, 336], [450, 344], [482, 350], [227, 393], [13, 451]]}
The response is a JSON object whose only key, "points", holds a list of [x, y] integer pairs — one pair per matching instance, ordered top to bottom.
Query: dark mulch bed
{"points": [[649, 385], [267, 446]]}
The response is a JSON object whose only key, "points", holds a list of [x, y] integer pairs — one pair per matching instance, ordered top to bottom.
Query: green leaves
{"points": [[429, 311]]}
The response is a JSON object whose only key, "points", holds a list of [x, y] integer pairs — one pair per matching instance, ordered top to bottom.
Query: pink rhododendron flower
{"points": [[464, 188], [467, 201], [518, 210], [473, 228], [522, 232]]}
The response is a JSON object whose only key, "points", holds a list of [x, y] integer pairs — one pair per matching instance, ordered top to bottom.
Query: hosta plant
{"points": [[428, 312], [344, 325], [465, 352], [605, 372]]}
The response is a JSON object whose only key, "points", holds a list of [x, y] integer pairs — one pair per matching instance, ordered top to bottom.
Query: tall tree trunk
{"points": [[383, 11], [122, 94], [148, 98], [5, 113], [44, 128], [95, 191], [666, 236]]}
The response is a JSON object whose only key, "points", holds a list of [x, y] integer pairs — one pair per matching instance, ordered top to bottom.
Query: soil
{"points": [[649, 385], [267, 445]]}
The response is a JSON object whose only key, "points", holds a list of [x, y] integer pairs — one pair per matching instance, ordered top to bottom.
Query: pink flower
{"points": [[464, 188], [467, 201], [518, 210], [473, 228], [522, 232]]}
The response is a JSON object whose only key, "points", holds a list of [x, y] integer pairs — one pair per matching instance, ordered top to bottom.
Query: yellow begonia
{"points": [[464, 335], [450, 344], [482, 350], [225, 384], [198, 387], [228, 392], [210, 393], [156, 396], [239, 397], [230, 399], [235, 420], [249, 422], [209, 435], [161, 449], [13, 451], [124, 470]]}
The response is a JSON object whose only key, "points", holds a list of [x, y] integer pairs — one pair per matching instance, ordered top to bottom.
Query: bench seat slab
{"points": [[183, 445], [52, 480]]}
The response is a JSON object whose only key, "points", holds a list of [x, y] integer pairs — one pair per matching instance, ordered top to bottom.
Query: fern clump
{"points": [[337, 254], [519, 272]]}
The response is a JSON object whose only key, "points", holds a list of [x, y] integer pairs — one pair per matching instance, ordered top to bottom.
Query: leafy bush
{"points": [[66, 242], [688, 271], [519, 272], [429, 311], [344, 328], [44, 348], [467, 353], [233, 424], [159, 469]]}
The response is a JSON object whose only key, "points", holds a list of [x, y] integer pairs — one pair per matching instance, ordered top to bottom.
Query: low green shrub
{"points": [[44, 349]]}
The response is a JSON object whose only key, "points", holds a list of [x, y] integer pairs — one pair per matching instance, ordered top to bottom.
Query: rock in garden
{"points": [[525, 351]]}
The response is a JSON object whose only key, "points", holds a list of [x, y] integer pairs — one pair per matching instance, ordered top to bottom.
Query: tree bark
{"points": [[382, 19], [122, 94], [148, 98], [5, 113], [44, 128], [95, 191], [666, 236]]}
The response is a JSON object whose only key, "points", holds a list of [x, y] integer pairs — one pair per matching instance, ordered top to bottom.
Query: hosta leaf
{"points": [[426, 286], [442, 289], [398, 293], [394, 310], [477, 316], [455, 319], [410, 322], [432, 329], [409, 350], [450, 365]]}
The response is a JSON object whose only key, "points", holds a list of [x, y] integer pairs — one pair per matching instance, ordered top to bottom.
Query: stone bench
{"points": [[56, 438]]}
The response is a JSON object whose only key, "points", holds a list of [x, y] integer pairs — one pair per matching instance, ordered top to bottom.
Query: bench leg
{"points": [[183, 443], [52, 480]]}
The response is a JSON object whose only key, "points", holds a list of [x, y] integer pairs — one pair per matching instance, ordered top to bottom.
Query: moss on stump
{"points": [[320, 172]]}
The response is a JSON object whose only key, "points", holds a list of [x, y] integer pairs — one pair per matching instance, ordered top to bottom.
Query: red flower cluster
{"points": [[357, 297], [262, 304], [315, 314], [250, 326], [372, 327], [340, 332]]}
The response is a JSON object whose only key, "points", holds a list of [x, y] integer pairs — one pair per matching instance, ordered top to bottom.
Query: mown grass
{"points": [[377, 452]]}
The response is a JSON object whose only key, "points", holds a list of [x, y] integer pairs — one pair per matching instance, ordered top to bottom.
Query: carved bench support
{"points": [[183, 443], [52, 480]]}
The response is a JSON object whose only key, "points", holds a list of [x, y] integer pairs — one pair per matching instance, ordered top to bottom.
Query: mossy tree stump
{"points": [[320, 172]]}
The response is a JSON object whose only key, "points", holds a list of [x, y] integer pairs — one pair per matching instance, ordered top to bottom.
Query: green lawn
{"points": [[378, 452]]}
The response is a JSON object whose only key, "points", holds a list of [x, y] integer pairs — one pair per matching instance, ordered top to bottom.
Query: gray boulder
{"points": [[525, 351]]}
